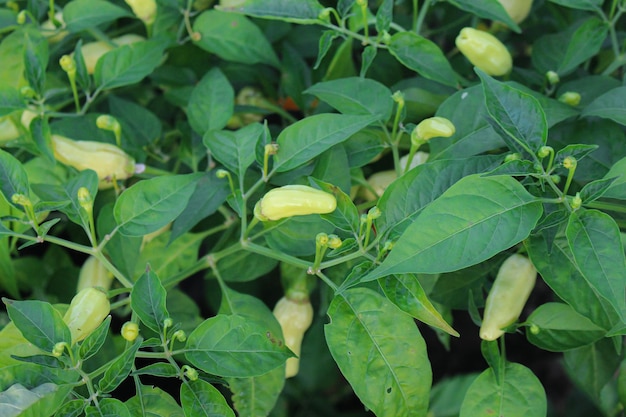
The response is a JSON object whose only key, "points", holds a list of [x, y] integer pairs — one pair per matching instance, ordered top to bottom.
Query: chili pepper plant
{"points": [[299, 208]]}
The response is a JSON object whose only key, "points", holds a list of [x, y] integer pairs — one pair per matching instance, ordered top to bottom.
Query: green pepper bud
{"points": [[485, 51], [570, 98], [110, 162], [294, 200], [508, 295], [87, 310], [295, 317], [130, 331]]}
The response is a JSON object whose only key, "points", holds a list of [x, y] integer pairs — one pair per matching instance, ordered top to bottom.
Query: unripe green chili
{"points": [[485, 51], [294, 200], [511, 289], [87, 310], [295, 316]]}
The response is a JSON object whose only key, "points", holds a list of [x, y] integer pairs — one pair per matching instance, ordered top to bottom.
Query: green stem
{"points": [[422, 16], [602, 205], [327, 281]]}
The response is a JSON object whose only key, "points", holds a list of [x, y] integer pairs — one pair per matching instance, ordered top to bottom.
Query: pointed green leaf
{"points": [[487, 9], [302, 11], [87, 14], [233, 37], [563, 52], [422, 56], [128, 64], [355, 95], [10, 100], [212, 102], [610, 105], [516, 116], [307, 138], [234, 149], [618, 188], [149, 205], [472, 221], [594, 240], [555, 263], [406, 292], [147, 299], [39, 323], [557, 327], [92, 343], [235, 346], [380, 352], [119, 369], [519, 394], [201, 399], [42, 400], [108, 407]]}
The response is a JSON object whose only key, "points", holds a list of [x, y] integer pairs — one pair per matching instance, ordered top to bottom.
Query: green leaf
{"points": [[593, 5], [487, 9], [302, 12], [87, 14], [384, 16], [234, 38], [563, 52], [422, 56], [35, 60], [128, 64], [355, 95], [10, 100], [212, 102], [610, 105], [516, 116], [140, 127], [473, 135], [307, 138], [234, 149], [578, 151], [332, 166], [13, 178], [618, 188], [209, 195], [406, 197], [149, 205], [346, 216], [470, 222], [297, 235], [594, 240], [122, 250], [168, 257], [555, 263], [244, 266], [8, 279], [406, 292], [147, 299], [39, 323], [557, 327], [92, 343], [234, 346], [380, 352], [593, 366], [119, 369], [162, 369], [518, 394], [447, 395], [253, 396], [257, 396], [199, 398], [40, 401], [153, 402], [108, 407], [72, 408]]}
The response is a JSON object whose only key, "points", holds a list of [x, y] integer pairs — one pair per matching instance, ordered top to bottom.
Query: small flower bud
{"points": [[21, 17], [68, 65], [553, 77], [398, 97], [570, 98], [271, 149], [544, 151], [512, 157], [569, 162], [222, 173], [556, 178], [21, 199], [84, 199], [576, 201], [374, 213], [321, 239], [334, 241], [168, 322], [534, 329], [130, 331], [180, 335], [58, 349], [190, 372]]}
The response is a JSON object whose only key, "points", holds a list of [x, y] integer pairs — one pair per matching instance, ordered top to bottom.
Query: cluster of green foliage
{"points": [[214, 105]]}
